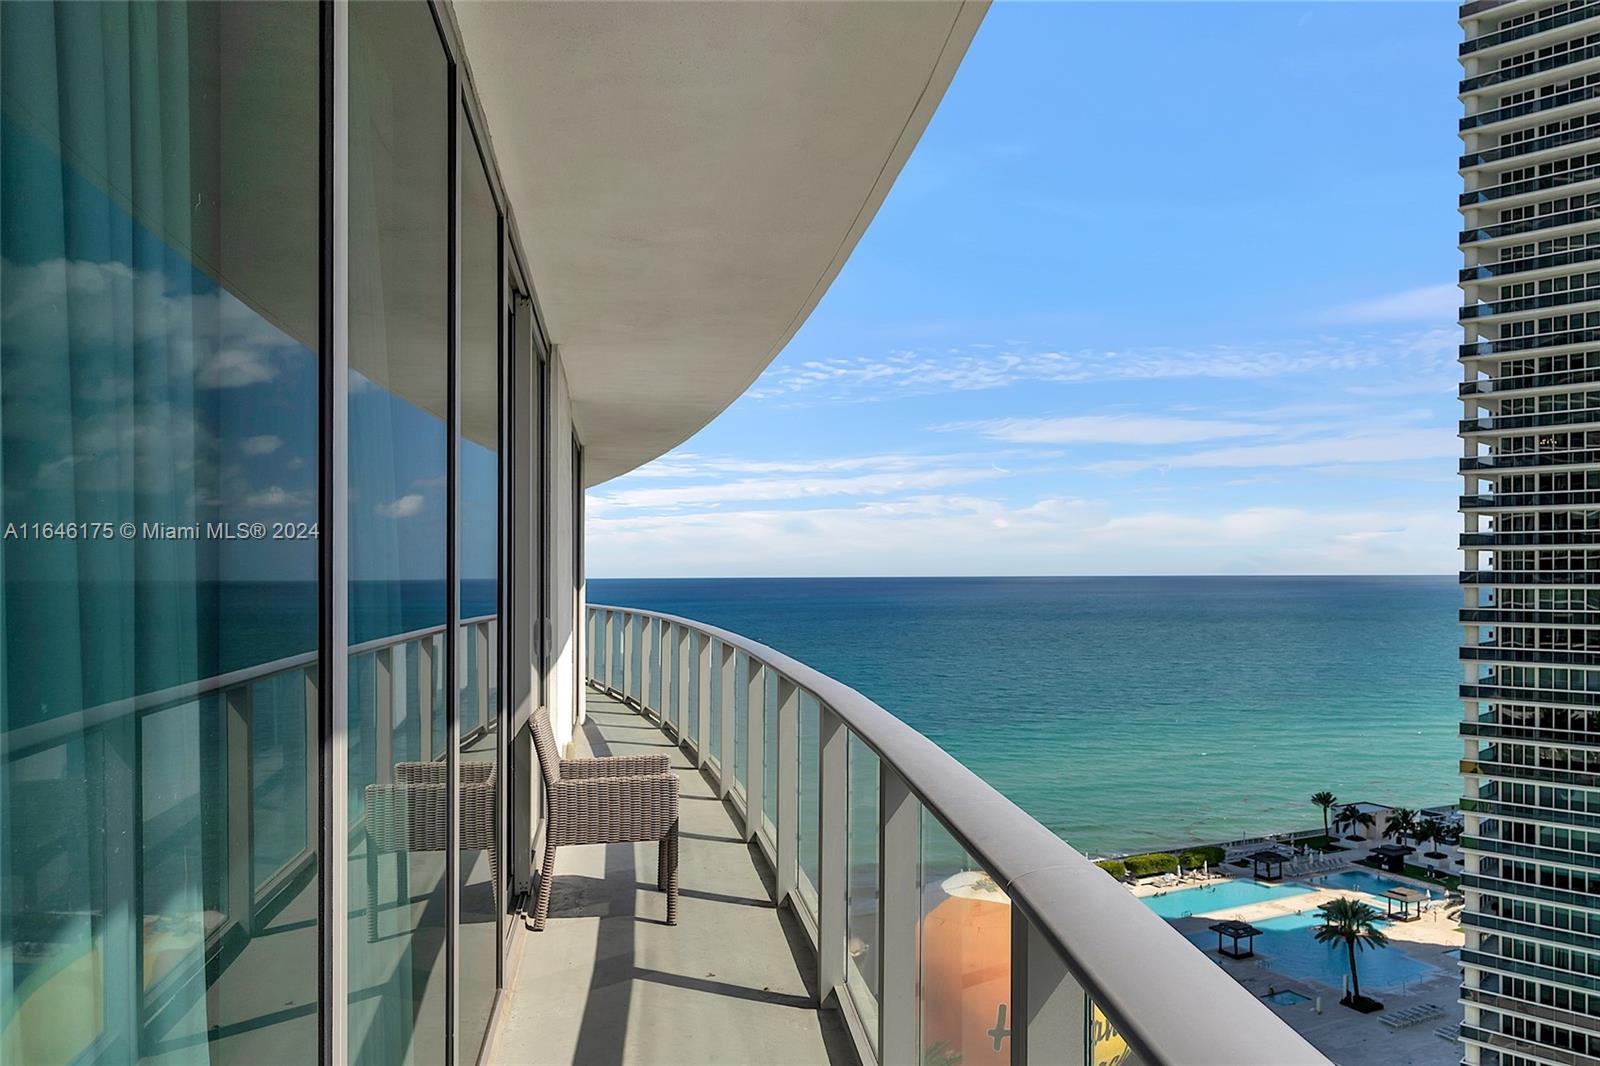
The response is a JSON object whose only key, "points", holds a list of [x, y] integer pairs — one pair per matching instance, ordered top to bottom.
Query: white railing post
{"points": [[602, 648], [628, 655], [483, 674], [654, 691], [425, 697], [383, 713], [702, 718], [725, 727], [755, 741], [240, 798], [788, 805], [833, 851], [899, 912], [1049, 1011]]}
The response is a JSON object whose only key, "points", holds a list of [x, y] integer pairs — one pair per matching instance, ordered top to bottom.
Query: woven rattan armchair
{"points": [[606, 801], [412, 815]]}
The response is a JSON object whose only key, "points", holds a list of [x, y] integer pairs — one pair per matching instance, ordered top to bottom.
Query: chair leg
{"points": [[662, 858], [547, 873], [672, 875], [372, 889]]}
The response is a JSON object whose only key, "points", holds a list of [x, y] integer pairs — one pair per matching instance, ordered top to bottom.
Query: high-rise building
{"points": [[1530, 463]]}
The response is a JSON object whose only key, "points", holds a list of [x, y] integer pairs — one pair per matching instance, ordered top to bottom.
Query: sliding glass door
{"points": [[159, 250]]}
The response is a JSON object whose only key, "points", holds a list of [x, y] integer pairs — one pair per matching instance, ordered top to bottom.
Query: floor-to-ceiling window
{"points": [[159, 252], [399, 268], [481, 316]]}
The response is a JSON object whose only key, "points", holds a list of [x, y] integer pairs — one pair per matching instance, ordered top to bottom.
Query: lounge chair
{"points": [[616, 800]]}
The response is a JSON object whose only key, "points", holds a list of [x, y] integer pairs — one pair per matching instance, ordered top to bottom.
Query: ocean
{"points": [[1134, 712]]}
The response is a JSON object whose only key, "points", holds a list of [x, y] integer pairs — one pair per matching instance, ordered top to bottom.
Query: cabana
{"points": [[1392, 857], [1267, 865], [1408, 898], [1236, 931]]}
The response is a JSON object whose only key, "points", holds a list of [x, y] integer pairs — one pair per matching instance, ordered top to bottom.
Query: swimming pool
{"points": [[1373, 884], [1207, 899], [1288, 946]]}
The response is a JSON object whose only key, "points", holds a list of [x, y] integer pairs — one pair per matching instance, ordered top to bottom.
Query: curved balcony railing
{"points": [[1528, 29], [1523, 70], [1529, 107], [1575, 135], [1543, 183], [1553, 220], [1572, 256], [1529, 303], [1553, 339], [1516, 382], [1538, 419], [1525, 460], [1487, 501], [1521, 539], [1529, 577], [1514, 615], [1091, 969]]}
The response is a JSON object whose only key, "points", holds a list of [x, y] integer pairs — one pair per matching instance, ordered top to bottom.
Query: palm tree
{"points": [[1325, 800], [1350, 816], [1402, 824], [1434, 832], [1356, 924]]}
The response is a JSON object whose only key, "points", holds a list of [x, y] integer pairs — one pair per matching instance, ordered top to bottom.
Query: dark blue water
{"points": [[1135, 712]]}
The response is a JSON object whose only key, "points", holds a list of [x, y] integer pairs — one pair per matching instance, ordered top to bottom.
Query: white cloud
{"points": [[1428, 303], [1110, 429], [265, 444], [1377, 446], [879, 483], [276, 497], [405, 507]]}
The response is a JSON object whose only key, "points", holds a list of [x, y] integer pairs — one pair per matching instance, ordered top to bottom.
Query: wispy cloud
{"points": [[1427, 303], [978, 367], [1109, 429], [1374, 446], [878, 483], [406, 506]]}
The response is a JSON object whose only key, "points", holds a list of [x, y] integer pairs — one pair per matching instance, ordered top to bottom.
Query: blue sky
{"points": [[1165, 288]]}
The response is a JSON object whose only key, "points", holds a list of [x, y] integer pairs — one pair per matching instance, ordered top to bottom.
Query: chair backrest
{"points": [[544, 743]]}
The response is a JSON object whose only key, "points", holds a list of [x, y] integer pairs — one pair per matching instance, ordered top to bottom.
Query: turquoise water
{"points": [[1140, 712], [1362, 881], [1203, 899], [1288, 946], [1286, 998]]}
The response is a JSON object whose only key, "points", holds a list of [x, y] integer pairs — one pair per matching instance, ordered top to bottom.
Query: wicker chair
{"points": [[606, 801], [412, 815]]}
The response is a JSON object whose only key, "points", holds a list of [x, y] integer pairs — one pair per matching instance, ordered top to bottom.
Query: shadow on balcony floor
{"points": [[608, 982]]}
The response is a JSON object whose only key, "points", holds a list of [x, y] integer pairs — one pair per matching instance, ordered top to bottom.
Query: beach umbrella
{"points": [[1205, 868]]}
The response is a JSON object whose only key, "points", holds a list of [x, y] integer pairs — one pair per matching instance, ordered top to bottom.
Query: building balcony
{"points": [[1528, 29], [1527, 70], [1530, 107], [1534, 146], [1545, 182], [1554, 220], [1573, 256], [1529, 303], [1553, 339], [1555, 379], [1538, 420], [1530, 460], [1502, 500], [1517, 539], [1529, 577], [1514, 616], [1490, 653], [1487, 689], [1520, 772], [1518, 810], [823, 837], [1486, 883], [1502, 964], [1527, 1008], [1527, 1049]]}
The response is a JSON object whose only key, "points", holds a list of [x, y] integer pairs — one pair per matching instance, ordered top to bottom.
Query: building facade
{"points": [[317, 320], [1531, 533]]}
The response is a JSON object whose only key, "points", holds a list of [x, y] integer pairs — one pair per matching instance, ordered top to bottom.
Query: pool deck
{"points": [[1345, 1036]]}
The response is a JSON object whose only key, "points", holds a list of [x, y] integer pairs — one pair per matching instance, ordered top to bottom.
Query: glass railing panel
{"points": [[658, 657], [692, 711], [440, 723], [741, 725], [713, 733], [280, 784], [769, 791], [807, 846], [964, 956], [863, 965], [1106, 1047]]}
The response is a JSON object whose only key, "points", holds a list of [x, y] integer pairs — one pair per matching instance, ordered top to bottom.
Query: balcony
{"points": [[1528, 29], [1530, 107], [1576, 135], [1489, 194], [1553, 220], [1570, 257], [1529, 303], [1553, 339], [1518, 382], [1537, 420], [1525, 460], [1501, 500], [1518, 539], [1529, 577], [1511, 615], [1490, 653], [1488, 690], [829, 832]]}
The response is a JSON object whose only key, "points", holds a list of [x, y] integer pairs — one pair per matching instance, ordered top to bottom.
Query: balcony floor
{"points": [[609, 982]]}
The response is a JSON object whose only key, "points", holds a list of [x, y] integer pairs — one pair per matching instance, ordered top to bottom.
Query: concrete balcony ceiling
{"points": [[687, 179]]}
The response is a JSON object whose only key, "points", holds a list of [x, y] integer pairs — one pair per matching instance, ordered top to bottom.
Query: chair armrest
{"points": [[616, 766]]}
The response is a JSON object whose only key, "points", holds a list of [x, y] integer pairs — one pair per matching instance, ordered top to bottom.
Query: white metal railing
{"points": [[1087, 974]]}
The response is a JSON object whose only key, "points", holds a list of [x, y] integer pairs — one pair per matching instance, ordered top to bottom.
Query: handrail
{"points": [[1164, 997]]}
